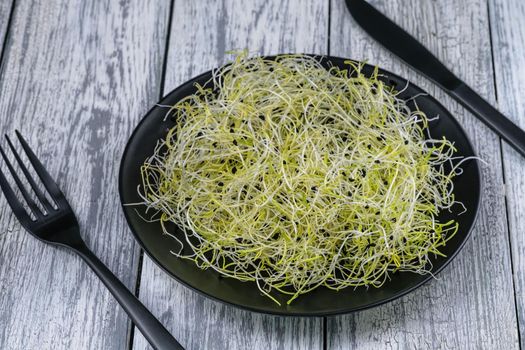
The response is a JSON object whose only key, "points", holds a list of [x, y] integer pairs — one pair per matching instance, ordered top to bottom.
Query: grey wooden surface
{"points": [[5, 13], [508, 36], [77, 76], [75, 79]]}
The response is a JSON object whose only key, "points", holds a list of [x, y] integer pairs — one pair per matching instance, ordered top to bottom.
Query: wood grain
{"points": [[5, 14], [201, 33], [508, 39], [77, 77], [471, 305]]}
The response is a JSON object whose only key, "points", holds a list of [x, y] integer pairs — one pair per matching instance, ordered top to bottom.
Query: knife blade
{"points": [[406, 47]]}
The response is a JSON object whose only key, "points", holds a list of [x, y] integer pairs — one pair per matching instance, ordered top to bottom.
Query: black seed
{"points": [[262, 117], [232, 131], [199, 134], [344, 138], [235, 142], [406, 142], [214, 144], [369, 146], [284, 161], [377, 161], [234, 170], [363, 173], [220, 184], [314, 188], [349, 194], [188, 198], [366, 206], [378, 212], [283, 218], [394, 220], [276, 235], [238, 240]]}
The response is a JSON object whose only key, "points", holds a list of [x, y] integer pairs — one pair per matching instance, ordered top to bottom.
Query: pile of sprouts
{"points": [[294, 176]]}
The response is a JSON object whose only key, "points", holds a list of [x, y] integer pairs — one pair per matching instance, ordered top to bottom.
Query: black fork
{"points": [[57, 224]]}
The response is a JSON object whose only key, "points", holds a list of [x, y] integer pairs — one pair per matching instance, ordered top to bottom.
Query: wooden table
{"points": [[76, 76]]}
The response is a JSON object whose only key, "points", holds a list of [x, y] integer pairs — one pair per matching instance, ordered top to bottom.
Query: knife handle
{"points": [[509, 131]]}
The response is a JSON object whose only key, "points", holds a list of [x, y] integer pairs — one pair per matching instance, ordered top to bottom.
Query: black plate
{"points": [[321, 301]]}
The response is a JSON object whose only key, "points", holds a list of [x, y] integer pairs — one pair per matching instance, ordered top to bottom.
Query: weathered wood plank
{"points": [[5, 13], [201, 33], [508, 39], [76, 79], [471, 305]]}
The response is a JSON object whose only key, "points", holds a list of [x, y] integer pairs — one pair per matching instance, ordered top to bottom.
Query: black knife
{"points": [[395, 39]]}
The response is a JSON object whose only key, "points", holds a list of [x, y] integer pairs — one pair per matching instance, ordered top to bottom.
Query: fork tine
{"points": [[29, 178], [47, 180], [9, 194]]}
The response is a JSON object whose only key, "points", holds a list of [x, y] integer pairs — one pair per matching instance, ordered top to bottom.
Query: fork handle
{"points": [[151, 328]]}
